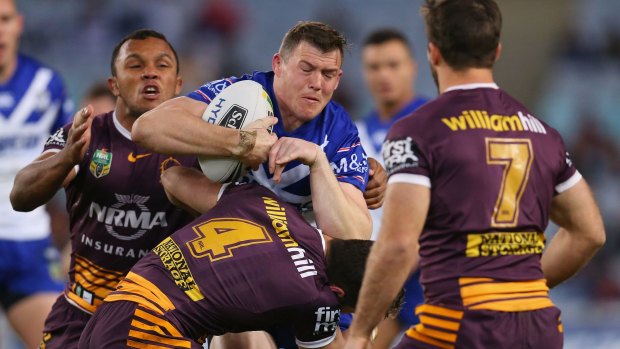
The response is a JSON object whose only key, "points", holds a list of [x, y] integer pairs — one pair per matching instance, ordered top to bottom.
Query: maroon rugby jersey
{"points": [[493, 169], [118, 209], [250, 263]]}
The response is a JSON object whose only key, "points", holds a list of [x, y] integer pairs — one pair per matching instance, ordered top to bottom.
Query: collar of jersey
{"points": [[472, 86], [122, 130]]}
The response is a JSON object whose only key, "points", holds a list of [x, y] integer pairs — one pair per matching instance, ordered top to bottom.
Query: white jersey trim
{"points": [[473, 86], [122, 130], [410, 178], [569, 183], [221, 191], [322, 240], [316, 344]]}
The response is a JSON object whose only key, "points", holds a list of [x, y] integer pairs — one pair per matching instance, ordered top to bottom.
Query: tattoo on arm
{"points": [[247, 140]]}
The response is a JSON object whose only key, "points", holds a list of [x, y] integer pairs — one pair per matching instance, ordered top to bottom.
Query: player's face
{"points": [[11, 24], [389, 71], [146, 75], [307, 80]]}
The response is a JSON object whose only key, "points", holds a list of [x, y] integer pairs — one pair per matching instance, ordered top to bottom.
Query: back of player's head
{"points": [[466, 32], [141, 34], [317, 34], [383, 35], [346, 264]]}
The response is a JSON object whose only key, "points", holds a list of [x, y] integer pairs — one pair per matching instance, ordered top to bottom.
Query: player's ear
{"points": [[498, 51], [433, 54], [276, 63], [113, 85], [179, 85], [337, 290]]}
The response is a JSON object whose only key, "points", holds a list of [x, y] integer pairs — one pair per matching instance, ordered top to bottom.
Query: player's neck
{"points": [[7, 70], [449, 78], [388, 110], [124, 117]]}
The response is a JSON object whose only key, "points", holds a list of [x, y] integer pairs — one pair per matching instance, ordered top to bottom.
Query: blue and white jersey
{"points": [[33, 104], [333, 130], [372, 131]]}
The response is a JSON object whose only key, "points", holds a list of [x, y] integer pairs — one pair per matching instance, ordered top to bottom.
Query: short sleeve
{"points": [[208, 91], [57, 141], [349, 162], [405, 162], [568, 175], [315, 327]]}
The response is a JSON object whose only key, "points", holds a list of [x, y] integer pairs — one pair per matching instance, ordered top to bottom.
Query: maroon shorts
{"points": [[124, 324], [63, 325], [481, 329]]}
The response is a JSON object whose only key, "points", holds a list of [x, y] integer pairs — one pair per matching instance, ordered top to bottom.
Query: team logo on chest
{"points": [[101, 163]]}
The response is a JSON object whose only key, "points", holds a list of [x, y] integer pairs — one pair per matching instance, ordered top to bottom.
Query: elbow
{"points": [[19, 203], [597, 237]]}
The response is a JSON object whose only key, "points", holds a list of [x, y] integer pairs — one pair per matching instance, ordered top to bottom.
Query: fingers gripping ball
{"points": [[237, 106]]}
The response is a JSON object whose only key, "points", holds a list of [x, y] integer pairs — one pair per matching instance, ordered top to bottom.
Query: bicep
{"points": [[405, 209], [575, 209]]}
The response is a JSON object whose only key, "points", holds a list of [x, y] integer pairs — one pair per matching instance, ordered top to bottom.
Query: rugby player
{"points": [[306, 71], [390, 71], [33, 103], [474, 179], [118, 208], [250, 262]]}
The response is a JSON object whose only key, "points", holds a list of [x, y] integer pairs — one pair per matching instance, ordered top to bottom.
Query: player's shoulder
{"points": [[337, 119]]}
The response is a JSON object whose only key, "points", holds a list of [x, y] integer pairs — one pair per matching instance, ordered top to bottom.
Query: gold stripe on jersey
{"points": [[504, 244], [91, 284], [140, 290], [489, 294], [438, 326], [151, 331]]}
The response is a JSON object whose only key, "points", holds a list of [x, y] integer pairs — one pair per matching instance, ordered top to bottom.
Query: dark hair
{"points": [[466, 32], [141, 34], [317, 34], [384, 35], [98, 90], [346, 264]]}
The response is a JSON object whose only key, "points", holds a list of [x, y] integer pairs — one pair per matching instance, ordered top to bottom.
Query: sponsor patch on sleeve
{"points": [[57, 139], [400, 154]]}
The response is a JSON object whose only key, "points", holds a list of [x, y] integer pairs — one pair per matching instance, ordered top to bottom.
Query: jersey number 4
{"points": [[516, 155], [217, 238]]}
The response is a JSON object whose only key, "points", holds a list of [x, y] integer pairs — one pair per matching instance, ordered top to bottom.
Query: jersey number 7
{"points": [[516, 155]]}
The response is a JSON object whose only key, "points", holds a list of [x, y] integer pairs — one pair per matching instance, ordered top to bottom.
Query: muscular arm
{"points": [[176, 127], [37, 183], [189, 189], [339, 208], [580, 235], [391, 259]]}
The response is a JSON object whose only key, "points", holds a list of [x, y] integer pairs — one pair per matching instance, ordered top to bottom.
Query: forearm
{"points": [[37, 183], [336, 213], [566, 255]]}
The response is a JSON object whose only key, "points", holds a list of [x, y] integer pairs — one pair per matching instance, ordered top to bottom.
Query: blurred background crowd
{"points": [[561, 58]]}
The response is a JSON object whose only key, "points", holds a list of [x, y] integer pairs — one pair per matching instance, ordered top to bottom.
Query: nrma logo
{"points": [[130, 214]]}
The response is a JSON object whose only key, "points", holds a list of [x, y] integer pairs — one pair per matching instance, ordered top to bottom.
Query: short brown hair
{"points": [[466, 32], [317, 34]]}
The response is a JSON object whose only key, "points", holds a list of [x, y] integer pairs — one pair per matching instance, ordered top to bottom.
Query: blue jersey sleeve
{"points": [[208, 91], [346, 154]]}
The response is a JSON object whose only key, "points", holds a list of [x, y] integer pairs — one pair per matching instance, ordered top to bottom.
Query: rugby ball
{"points": [[236, 106]]}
